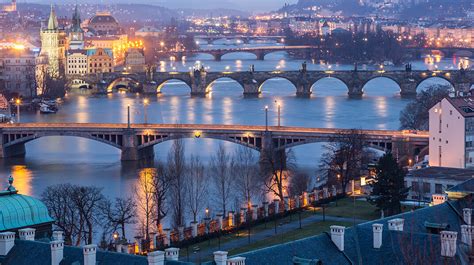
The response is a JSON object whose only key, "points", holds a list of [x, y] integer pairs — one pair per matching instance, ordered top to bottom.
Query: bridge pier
{"points": [[260, 55], [199, 84], [463, 87], [150, 88], [251, 89], [303, 89], [408, 90], [355, 92], [17, 150], [130, 150], [271, 159]]}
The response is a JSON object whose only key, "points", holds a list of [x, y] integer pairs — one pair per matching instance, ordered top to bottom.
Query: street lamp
{"points": [[18, 103], [145, 104], [279, 112], [128, 116], [266, 118]]}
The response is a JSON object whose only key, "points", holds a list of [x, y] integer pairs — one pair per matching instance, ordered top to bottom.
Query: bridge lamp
{"points": [[146, 102], [18, 103], [279, 112], [266, 118], [197, 134]]}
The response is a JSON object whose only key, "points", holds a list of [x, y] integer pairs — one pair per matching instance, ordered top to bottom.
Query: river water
{"points": [[54, 160]]}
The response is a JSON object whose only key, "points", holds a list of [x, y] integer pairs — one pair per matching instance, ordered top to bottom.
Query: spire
{"points": [[53, 21], [76, 21]]}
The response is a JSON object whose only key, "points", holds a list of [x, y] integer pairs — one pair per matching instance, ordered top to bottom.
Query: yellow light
{"points": [[18, 101], [146, 101], [197, 134]]}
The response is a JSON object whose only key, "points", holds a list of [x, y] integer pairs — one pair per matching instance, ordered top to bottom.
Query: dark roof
{"points": [[103, 18], [465, 105], [459, 174], [464, 187], [415, 245]]}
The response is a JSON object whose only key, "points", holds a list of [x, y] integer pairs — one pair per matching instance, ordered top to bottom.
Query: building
{"points": [[10, 7], [103, 23], [149, 32], [76, 34], [53, 46], [135, 60], [100, 61], [76, 62], [17, 72], [451, 124], [426, 182], [21, 211]]}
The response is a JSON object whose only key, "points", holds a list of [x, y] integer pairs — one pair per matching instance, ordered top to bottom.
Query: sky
{"points": [[247, 5]]}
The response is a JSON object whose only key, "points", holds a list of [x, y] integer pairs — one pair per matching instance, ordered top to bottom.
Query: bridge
{"points": [[243, 38], [260, 52], [200, 81], [136, 141]]}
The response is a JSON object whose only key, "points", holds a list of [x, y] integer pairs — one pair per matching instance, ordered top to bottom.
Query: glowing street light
{"points": [[146, 102], [18, 103], [279, 112], [266, 118]]}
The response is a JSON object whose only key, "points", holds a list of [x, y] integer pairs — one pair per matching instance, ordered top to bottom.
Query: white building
{"points": [[76, 62], [451, 124]]}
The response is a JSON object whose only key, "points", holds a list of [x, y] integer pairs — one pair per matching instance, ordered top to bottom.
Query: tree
{"points": [[415, 116], [344, 157], [220, 167], [275, 167], [176, 171], [246, 174], [299, 183], [161, 184], [196, 186], [389, 188], [144, 194], [88, 200], [118, 214]]}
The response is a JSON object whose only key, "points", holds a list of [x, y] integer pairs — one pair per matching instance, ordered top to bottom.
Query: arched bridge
{"points": [[243, 38], [260, 52], [200, 82], [136, 141]]}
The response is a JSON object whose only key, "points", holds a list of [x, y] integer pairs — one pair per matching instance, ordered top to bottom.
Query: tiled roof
{"points": [[465, 105], [459, 174], [18, 211]]}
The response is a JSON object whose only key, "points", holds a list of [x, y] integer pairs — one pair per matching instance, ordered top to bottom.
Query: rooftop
{"points": [[465, 105], [448, 173]]}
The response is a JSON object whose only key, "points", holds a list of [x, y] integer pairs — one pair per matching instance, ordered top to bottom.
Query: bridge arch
{"points": [[273, 53], [238, 55], [276, 78], [428, 79], [172, 81], [212, 82], [129, 83], [336, 84], [393, 85]]}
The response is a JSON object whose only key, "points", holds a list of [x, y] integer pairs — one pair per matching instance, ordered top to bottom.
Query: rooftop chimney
{"points": [[439, 198], [467, 215], [396, 224], [377, 229], [27, 234], [466, 234], [58, 235], [337, 236], [7, 241], [448, 243], [57, 252], [89, 252], [172, 253], [220, 257], [156, 258]]}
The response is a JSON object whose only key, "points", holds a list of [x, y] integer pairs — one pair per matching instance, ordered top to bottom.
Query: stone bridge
{"points": [[243, 38], [259, 52], [200, 82], [136, 141]]}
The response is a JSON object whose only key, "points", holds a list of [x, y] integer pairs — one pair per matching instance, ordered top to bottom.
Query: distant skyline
{"points": [[245, 5]]}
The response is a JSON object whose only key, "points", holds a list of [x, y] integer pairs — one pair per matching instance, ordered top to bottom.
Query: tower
{"points": [[76, 35], [53, 46]]}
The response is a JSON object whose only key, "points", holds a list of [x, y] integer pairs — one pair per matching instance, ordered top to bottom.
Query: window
{"points": [[415, 187], [438, 188]]}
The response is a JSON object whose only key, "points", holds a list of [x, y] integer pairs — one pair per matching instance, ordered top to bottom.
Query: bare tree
{"points": [[344, 157], [220, 167], [275, 167], [176, 170], [246, 174], [299, 183], [161, 184], [196, 186], [144, 195], [58, 200], [87, 200], [118, 214]]}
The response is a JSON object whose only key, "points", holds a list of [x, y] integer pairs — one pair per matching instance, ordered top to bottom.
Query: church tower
{"points": [[76, 35], [53, 46]]}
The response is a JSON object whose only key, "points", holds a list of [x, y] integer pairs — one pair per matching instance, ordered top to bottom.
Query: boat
{"points": [[45, 109]]}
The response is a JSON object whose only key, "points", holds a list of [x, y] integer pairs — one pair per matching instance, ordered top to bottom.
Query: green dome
{"points": [[17, 211]]}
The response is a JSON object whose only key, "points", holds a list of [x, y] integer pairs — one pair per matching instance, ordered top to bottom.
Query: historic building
{"points": [[103, 23], [76, 34], [53, 46], [135, 60], [100, 61], [76, 62], [17, 72], [451, 126]]}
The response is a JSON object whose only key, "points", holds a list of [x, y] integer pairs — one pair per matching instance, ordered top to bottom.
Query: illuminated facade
{"points": [[76, 35], [53, 46], [100, 60]]}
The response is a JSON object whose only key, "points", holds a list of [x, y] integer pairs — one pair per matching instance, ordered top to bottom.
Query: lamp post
{"points": [[18, 103], [145, 104], [279, 112], [128, 116], [266, 118]]}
